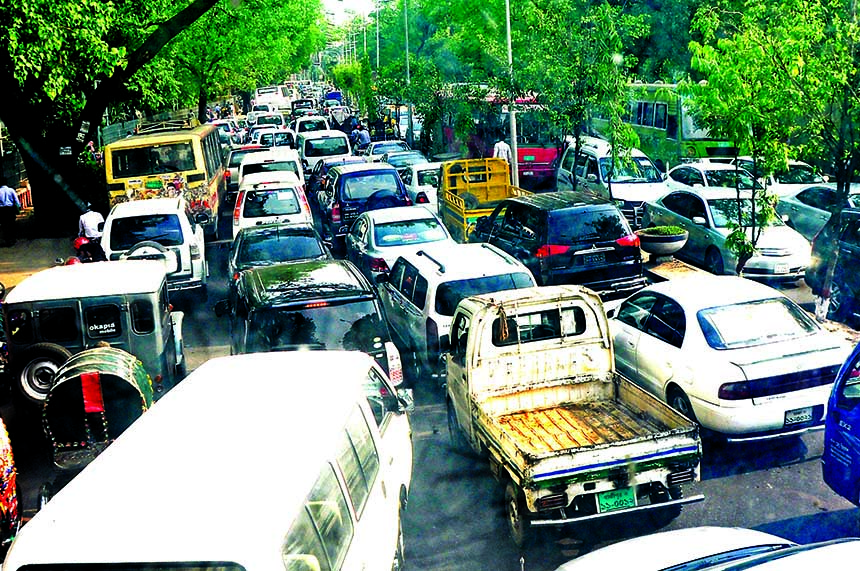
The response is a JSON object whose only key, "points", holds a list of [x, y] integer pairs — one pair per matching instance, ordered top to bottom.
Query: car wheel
{"points": [[714, 262], [840, 300], [36, 368], [680, 402], [515, 510]]}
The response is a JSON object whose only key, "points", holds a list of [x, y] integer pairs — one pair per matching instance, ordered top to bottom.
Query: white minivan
{"points": [[316, 145], [270, 198], [268, 461]]}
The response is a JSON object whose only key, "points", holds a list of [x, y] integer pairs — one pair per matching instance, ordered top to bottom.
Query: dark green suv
{"points": [[839, 243], [309, 306]]}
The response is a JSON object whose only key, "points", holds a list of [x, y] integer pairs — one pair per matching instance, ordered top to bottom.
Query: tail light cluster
{"points": [[227, 175], [240, 198], [421, 198], [303, 201], [335, 213], [629, 240], [548, 250], [378, 265], [432, 331], [395, 366], [735, 391]]}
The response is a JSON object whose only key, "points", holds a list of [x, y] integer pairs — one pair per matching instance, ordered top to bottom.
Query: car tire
{"points": [[470, 200], [714, 262], [840, 307], [35, 369], [681, 403], [515, 515]]}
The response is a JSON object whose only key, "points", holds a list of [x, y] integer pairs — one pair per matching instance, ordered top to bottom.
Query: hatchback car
{"points": [[374, 151], [706, 173], [422, 183], [353, 189], [268, 198], [808, 208], [378, 237], [567, 237], [781, 253], [309, 306], [737, 356]]}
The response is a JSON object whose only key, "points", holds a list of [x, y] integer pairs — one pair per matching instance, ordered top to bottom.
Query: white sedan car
{"points": [[735, 355]]}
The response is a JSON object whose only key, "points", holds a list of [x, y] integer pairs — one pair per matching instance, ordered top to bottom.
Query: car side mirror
{"points": [[700, 221], [222, 308], [406, 399]]}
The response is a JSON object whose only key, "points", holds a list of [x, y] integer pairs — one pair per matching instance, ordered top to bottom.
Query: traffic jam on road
{"points": [[454, 372]]}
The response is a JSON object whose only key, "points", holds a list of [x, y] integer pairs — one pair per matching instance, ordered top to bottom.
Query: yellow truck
{"points": [[471, 188], [532, 386]]}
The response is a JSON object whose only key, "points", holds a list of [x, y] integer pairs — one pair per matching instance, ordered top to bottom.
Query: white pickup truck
{"points": [[532, 386]]}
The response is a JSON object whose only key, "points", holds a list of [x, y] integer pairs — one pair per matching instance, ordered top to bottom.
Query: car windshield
{"points": [[270, 120], [313, 125], [326, 147], [383, 148], [237, 156], [153, 159], [403, 160], [272, 166], [636, 169], [798, 174], [727, 177], [362, 186], [277, 202], [725, 210], [587, 225], [161, 228], [408, 232], [263, 249], [450, 293], [754, 323], [355, 325]]}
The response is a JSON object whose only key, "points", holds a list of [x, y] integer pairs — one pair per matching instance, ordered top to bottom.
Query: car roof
{"points": [[322, 134], [601, 147], [426, 166], [710, 166], [363, 167], [255, 179], [713, 192], [561, 199], [148, 206], [399, 214], [290, 229], [455, 261], [88, 280], [298, 282], [697, 292], [202, 441]]}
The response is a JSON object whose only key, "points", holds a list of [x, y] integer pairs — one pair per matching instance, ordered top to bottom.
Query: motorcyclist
{"points": [[90, 226]]}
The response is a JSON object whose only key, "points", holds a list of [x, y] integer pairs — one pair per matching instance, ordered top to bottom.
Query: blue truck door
{"points": [[841, 459]]}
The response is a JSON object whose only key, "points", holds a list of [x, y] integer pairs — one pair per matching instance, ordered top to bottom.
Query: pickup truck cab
{"points": [[532, 385]]}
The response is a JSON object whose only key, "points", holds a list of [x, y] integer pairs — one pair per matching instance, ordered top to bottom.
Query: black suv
{"points": [[353, 189], [567, 238], [838, 241], [313, 305]]}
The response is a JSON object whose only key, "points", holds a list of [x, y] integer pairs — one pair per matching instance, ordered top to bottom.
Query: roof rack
{"points": [[159, 126], [432, 259]]}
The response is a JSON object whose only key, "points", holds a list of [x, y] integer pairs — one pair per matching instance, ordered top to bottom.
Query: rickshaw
{"points": [[95, 396]]}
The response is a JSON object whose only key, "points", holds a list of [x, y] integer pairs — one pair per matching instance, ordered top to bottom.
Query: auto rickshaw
{"points": [[95, 396]]}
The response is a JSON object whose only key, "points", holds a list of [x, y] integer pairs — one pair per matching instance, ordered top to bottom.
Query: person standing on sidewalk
{"points": [[502, 149], [9, 208]]}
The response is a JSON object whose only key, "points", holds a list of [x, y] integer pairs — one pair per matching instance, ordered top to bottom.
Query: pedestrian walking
{"points": [[502, 150], [9, 208]]}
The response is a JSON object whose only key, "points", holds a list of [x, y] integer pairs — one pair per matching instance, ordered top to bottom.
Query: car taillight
{"points": [[227, 175], [421, 198], [303, 200], [408, 200], [238, 208], [335, 214], [629, 240], [548, 250], [195, 251], [378, 265], [235, 276], [432, 332], [395, 367], [735, 391]]}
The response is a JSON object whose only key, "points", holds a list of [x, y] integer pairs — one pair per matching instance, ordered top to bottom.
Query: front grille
{"points": [[633, 213], [778, 252], [791, 382], [676, 478], [551, 502]]}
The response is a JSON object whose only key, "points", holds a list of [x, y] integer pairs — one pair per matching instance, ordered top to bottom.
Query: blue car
{"points": [[840, 463]]}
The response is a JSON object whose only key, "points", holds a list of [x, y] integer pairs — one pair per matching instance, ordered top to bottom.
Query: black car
{"points": [[353, 189], [567, 238], [839, 243], [269, 244], [315, 305]]}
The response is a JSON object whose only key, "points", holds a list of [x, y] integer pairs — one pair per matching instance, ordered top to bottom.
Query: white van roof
{"points": [[322, 134], [282, 178], [89, 280], [214, 471]]}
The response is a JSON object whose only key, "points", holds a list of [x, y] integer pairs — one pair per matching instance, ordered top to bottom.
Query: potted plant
{"points": [[662, 240]]}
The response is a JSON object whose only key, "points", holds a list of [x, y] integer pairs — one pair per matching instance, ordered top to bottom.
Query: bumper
{"points": [[184, 284], [637, 509]]}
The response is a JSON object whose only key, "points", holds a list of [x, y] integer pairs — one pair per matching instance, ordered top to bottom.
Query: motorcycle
{"points": [[86, 250]]}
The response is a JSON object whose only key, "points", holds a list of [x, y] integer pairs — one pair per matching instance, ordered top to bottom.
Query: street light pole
{"points": [[376, 4], [409, 138], [515, 171]]}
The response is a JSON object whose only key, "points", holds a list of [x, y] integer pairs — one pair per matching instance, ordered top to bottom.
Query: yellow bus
{"points": [[167, 160]]}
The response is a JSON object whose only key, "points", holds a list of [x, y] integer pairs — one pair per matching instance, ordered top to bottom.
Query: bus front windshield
{"points": [[634, 169]]}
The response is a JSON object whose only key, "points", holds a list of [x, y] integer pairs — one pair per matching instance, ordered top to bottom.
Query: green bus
{"points": [[667, 131]]}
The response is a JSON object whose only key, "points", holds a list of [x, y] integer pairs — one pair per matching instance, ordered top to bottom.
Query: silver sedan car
{"points": [[706, 213], [378, 237]]}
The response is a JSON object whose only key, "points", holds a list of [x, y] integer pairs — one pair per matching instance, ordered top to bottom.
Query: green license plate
{"points": [[529, 158], [616, 500]]}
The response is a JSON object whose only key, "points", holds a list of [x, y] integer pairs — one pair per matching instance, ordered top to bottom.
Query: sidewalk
{"points": [[30, 254]]}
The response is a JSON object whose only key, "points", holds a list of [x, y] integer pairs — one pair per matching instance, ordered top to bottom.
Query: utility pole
{"points": [[409, 137], [515, 171]]}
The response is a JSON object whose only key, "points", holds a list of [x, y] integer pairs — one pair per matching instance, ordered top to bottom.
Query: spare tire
{"points": [[384, 198], [471, 201], [151, 250], [35, 368]]}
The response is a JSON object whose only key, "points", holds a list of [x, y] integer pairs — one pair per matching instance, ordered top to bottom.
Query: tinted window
{"points": [[270, 120], [313, 125], [326, 147], [237, 156], [155, 159], [272, 166], [428, 178], [357, 187], [259, 203], [579, 225], [161, 228], [408, 232], [273, 247], [407, 286], [449, 294], [419, 297], [635, 311], [142, 316], [103, 322], [667, 322], [754, 323], [58, 324], [351, 326], [380, 396], [358, 459]]}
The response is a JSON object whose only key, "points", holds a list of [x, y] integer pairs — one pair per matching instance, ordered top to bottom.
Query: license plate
{"points": [[593, 259], [780, 269], [798, 415], [616, 500]]}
